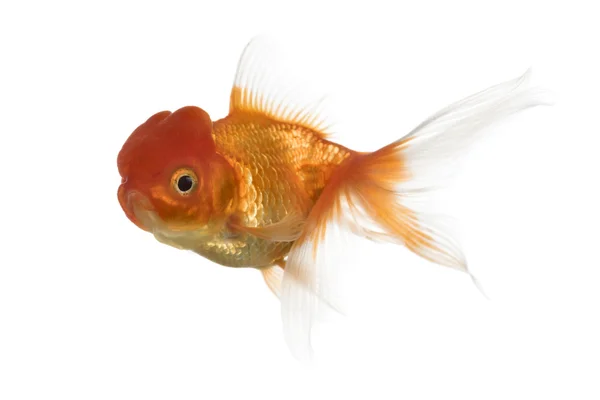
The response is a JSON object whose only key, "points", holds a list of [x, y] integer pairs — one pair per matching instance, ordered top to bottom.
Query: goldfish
{"points": [[262, 187]]}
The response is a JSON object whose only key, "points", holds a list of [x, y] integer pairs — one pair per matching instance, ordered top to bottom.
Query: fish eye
{"points": [[184, 181]]}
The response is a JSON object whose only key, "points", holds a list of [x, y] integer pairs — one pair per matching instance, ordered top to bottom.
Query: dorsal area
{"points": [[260, 90]]}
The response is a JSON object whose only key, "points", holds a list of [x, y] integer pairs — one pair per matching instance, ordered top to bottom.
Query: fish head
{"points": [[173, 181]]}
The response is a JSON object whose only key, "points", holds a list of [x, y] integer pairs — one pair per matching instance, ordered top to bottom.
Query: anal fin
{"points": [[273, 276]]}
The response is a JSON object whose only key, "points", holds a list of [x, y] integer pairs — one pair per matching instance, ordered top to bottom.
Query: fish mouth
{"points": [[128, 200], [141, 212]]}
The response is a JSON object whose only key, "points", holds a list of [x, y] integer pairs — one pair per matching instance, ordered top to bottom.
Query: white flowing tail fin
{"points": [[370, 195]]}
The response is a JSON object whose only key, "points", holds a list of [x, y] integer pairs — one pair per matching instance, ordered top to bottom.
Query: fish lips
{"points": [[136, 206]]}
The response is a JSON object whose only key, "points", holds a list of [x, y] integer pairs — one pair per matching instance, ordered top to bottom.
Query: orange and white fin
{"points": [[261, 89], [371, 195], [287, 229], [273, 276], [311, 281]]}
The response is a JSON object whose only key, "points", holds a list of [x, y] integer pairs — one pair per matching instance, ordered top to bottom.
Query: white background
{"points": [[93, 308]]}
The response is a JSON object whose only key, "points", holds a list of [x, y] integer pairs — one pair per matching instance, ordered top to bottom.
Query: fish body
{"points": [[280, 170], [264, 186]]}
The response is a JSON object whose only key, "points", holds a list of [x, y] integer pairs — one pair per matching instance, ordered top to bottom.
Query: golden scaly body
{"points": [[280, 168]]}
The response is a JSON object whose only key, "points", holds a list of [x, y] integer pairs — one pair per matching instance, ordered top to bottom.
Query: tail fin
{"points": [[385, 181], [371, 195]]}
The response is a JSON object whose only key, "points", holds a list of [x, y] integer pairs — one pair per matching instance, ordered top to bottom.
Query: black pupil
{"points": [[185, 183]]}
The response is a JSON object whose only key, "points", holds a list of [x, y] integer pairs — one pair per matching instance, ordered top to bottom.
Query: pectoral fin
{"points": [[287, 229]]}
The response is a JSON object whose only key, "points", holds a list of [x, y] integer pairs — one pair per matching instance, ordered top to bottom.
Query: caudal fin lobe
{"points": [[384, 182]]}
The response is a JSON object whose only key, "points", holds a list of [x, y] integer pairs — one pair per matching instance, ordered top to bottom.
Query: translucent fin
{"points": [[260, 87], [432, 149], [390, 179], [371, 195], [286, 230], [273, 276], [312, 285], [299, 303]]}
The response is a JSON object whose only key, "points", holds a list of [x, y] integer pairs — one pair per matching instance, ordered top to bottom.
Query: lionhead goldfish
{"points": [[261, 187]]}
